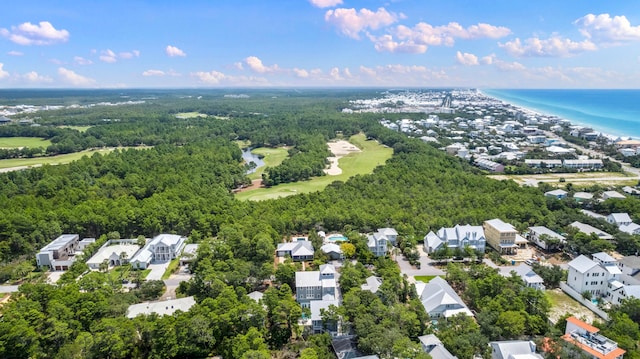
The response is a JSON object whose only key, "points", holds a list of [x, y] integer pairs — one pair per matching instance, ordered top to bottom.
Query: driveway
{"points": [[426, 266], [157, 270], [174, 282], [8, 288]]}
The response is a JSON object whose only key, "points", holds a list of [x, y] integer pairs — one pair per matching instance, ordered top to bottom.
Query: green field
{"points": [[77, 128], [18, 142], [373, 155], [272, 157], [51, 160], [424, 278]]}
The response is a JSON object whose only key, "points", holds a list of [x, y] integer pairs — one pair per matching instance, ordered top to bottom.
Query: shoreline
{"points": [[605, 132]]}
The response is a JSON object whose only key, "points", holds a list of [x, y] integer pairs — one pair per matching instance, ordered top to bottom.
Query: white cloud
{"points": [[325, 3], [351, 22], [607, 29], [42, 33], [422, 35], [554, 46], [173, 51], [15, 53], [129, 54], [108, 56], [466, 59], [488, 60], [82, 61], [255, 64], [508, 66], [3, 73], [153, 73], [302, 73], [335, 73], [397, 74], [34, 77], [72, 78], [210, 78]]}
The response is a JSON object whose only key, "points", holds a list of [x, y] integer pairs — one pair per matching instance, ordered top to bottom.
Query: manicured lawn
{"points": [[77, 128], [17, 142], [373, 155], [272, 157], [53, 160], [173, 265], [424, 278]]}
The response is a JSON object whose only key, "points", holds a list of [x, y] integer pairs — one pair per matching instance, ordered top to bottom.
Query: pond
{"points": [[249, 157]]}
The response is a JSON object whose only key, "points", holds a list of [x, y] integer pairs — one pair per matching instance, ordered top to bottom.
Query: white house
{"points": [[612, 194], [619, 219], [632, 228], [587, 229], [538, 233], [459, 236], [378, 243], [162, 248], [300, 250], [332, 250], [60, 253], [115, 253], [630, 268], [593, 275], [530, 278], [372, 284], [316, 285], [440, 300], [317, 324], [514, 349]]}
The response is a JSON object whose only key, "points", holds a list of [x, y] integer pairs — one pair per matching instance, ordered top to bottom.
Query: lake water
{"points": [[251, 157]]}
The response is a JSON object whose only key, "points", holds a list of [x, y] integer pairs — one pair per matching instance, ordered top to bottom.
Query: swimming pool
{"points": [[337, 238]]}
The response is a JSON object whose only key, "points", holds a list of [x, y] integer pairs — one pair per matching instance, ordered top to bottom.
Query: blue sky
{"points": [[324, 43]]}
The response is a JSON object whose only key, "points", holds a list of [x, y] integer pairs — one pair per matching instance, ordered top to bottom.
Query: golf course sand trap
{"points": [[339, 149]]}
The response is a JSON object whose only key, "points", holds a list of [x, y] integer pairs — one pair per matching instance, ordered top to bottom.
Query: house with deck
{"points": [[459, 236], [501, 236], [299, 250], [59, 254], [588, 340]]}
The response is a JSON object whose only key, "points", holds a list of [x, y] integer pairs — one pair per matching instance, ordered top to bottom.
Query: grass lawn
{"points": [[77, 128], [17, 142], [373, 155], [272, 157], [52, 160], [172, 267], [144, 273], [424, 278]]}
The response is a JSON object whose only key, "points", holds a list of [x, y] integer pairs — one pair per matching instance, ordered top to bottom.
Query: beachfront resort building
{"points": [[459, 236], [501, 236], [59, 254], [587, 338]]}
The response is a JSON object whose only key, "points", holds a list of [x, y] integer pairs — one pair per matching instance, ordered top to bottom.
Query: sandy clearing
{"points": [[339, 149]]}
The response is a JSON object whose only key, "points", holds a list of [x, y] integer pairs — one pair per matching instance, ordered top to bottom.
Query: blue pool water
{"points": [[337, 238]]}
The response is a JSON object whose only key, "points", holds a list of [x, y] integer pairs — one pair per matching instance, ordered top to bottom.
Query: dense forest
{"points": [[183, 184]]}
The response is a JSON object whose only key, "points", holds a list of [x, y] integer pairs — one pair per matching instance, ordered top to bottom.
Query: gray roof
{"points": [[556, 192], [613, 194], [583, 195], [593, 214], [620, 217], [630, 228], [587, 229], [544, 230], [388, 231], [167, 239], [433, 240], [60, 242], [331, 247], [298, 248], [603, 257], [630, 261], [582, 264], [327, 269], [525, 272], [308, 279], [372, 284], [632, 291], [437, 293], [257, 296], [317, 305], [166, 307], [512, 349]]}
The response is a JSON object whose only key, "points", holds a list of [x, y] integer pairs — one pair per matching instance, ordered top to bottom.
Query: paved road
{"points": [[426, 267], [8, 288]]}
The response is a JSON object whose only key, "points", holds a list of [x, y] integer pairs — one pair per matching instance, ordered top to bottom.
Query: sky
{"points": [[320, 43]]}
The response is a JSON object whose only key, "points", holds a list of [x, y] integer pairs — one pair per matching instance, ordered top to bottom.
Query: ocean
{"points": [[613, 112]]}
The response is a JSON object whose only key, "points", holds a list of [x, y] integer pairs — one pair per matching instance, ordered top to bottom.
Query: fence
{"points": [[587, 303]]}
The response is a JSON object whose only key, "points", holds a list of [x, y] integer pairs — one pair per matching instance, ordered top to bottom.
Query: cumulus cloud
{"points": [[325, 3], [351, 22], [607, 29], [42, 33], [417, 39], [554, 46], [173, 51], [15, 53], [129, 54], [110, 57], [466, 59], [79, 60], [488, 60], [255, 64], [3, 73], [153, 73], [302, 73], [34, 77], [72, 78], [210, 78]]}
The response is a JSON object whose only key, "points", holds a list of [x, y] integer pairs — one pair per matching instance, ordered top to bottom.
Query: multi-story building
{"points": [[501, 236], [380, 241], [59, 254], [595, 276], [316, 285], [589, 341]]}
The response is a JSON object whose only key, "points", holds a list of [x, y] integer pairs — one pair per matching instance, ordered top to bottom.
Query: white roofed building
{"points": [[619, 219], [459, 236], [300, 250], [60, 253], [316, 285], [440, 300], [166, 307], [514, 349]]}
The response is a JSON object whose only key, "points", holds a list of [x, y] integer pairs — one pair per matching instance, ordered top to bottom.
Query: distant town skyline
{"points": [[320, 43]]}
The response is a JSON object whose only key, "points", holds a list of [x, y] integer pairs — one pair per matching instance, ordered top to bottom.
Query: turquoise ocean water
{"points": [[614, 112]]}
